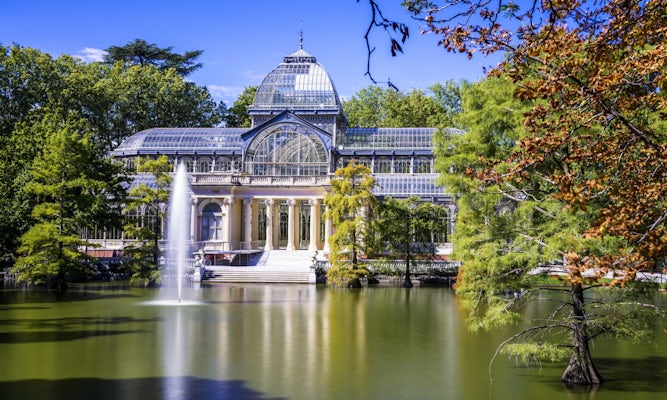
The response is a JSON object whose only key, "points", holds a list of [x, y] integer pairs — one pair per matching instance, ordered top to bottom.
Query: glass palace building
{"points": [[262, 188]]}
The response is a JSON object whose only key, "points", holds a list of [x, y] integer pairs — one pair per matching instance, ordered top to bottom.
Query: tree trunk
{"points": [[407, 282], [581, 369]]}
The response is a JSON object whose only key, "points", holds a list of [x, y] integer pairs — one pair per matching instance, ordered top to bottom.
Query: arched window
{"points": [[286, 150], [366, 162], [189, 164], [223, 164], [204, 165], [422, 165], [382, 166], [402, 166], [211, 222]]}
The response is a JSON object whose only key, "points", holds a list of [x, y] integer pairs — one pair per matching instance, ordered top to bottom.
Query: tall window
{"points": [[261, 221], [211, 222], [304, 223], [283, 224]]}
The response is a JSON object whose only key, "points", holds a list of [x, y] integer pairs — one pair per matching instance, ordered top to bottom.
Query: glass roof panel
{"points": [[388, 138], [182, 140], [406, 185]]}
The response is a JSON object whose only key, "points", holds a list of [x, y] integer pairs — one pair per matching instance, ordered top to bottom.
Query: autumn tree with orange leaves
{"points": [[593, 140]]}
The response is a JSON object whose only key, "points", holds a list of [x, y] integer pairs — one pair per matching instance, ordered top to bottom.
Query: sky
{"points": [[242, 40]]}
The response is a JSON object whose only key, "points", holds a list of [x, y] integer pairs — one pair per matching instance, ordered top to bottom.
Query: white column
{"points": [[229, 202], [193, 219], [269, 224], [314, 224], [290, 225], [247, 229], [327, 235]]}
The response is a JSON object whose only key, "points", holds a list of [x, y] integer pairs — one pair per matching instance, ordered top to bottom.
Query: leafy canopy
{"points": [[140, 52], [351, 198]]}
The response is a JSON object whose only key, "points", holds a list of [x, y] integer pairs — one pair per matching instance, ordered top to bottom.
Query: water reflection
{"points": [[280, 341]]}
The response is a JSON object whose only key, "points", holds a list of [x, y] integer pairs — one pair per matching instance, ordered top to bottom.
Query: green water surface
{"points": [[280, 342]]}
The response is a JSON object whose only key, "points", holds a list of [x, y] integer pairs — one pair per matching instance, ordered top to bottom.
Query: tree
{"points": [[140, 52], [594, 72], [116, 101], [377, 107], [237, 115], [71, 187], [350, 200], [148, 204], [407, 228], [508, 229]]}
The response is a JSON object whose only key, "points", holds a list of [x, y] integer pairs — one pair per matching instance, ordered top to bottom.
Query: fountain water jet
{"points": [[179, 227]]}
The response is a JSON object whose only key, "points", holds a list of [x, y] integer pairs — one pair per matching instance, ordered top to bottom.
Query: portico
{"points": [[229, 223]]}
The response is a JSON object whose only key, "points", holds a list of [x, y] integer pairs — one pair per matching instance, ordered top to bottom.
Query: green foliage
{"points": [[140, 52], [116, 101], [377, 107], [237, 115], [69, 186], [148, 202], [348, 204], [406, 228], [506, 229], [49, 257], [346, 274], [530, 354]]}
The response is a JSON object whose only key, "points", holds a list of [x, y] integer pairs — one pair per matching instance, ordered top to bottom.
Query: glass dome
{"points": [[299, 82]]}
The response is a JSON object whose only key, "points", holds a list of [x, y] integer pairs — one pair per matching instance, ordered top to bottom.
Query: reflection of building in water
{"points": [[262, 188]]}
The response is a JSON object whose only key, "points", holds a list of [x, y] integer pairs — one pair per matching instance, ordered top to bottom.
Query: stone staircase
{"points": [[275, 266]]}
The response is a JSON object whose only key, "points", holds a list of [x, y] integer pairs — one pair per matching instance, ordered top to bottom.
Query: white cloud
{"points": [[89, 54], [226, 93]]}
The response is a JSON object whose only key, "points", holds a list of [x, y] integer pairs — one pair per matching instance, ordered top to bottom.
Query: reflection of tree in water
{"points": [[141, 388]]}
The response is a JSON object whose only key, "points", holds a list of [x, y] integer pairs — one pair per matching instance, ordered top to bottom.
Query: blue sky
{"points": [[242, 41]]}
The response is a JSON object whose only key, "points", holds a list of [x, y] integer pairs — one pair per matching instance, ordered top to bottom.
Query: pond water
{"points": [[280, 342]]}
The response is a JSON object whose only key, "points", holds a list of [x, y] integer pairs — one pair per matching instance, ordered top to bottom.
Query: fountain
{"points": [[177, 235], [173, 265]]}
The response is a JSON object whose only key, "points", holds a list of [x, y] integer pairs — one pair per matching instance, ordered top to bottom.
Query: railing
{"points": [[222, 179], [234, 246], [397, 267]]}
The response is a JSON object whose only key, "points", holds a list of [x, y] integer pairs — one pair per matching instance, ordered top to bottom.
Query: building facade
{"points": [[262, 188]]}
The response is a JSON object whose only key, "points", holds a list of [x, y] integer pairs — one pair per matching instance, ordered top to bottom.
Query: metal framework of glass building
{"points": [[263, 186]]}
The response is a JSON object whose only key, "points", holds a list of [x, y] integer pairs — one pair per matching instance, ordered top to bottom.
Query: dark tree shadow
{"points": [[36, 295], [32, 330], [634, 374], [622, 375], [173, 388]]}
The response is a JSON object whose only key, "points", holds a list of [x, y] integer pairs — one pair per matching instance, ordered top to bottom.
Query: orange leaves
{"points": [[596, 74]]}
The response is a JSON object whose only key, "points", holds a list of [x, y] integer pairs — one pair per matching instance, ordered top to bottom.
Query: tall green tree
{"points": [[140, 52], [115, 100], [377, 107], [237, 115], [70, 187], [350, 201], [148, 204], [407, 227], [511, 234]]}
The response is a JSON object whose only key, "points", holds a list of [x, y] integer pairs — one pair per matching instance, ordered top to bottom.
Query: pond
{"points": [[280, 342]]}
